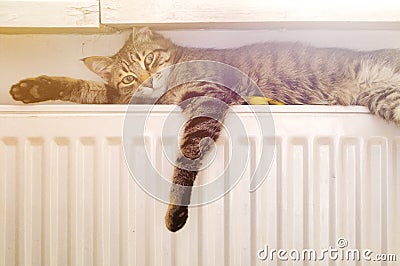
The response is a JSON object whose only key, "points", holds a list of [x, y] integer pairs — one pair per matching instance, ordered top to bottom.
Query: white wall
{"points": [[30, 55]]}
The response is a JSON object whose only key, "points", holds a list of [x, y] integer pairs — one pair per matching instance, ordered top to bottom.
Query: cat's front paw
{"points": [[34, 90], [176, 217]]}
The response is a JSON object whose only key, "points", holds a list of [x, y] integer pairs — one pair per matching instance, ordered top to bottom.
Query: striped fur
{"points": [[291, 73]]}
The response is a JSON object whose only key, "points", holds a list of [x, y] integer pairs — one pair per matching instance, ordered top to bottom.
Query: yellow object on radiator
{"points": [[258, 100]]}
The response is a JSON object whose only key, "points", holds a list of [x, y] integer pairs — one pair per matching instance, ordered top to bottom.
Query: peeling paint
{"points": [[86, 10], [37, 13], [84, 14]]}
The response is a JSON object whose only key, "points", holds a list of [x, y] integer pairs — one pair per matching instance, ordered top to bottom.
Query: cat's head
{"points": [[144, 54]]}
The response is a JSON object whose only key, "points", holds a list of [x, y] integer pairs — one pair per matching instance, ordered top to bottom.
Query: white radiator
{"points": [[66, 196]]}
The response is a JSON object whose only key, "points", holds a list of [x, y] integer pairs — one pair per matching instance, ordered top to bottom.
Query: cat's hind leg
{"points": [[205, 117], [199, 134], [181, 189]]}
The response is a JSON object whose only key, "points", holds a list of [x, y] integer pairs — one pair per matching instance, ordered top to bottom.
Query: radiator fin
{"points": [[67, 197]]}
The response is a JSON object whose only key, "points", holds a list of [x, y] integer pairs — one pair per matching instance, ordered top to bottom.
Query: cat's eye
{"points": [[149, 59], [128, 79]]}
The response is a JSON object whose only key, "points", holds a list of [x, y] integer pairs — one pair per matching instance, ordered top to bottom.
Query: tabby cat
{"points": [[291, 73]]}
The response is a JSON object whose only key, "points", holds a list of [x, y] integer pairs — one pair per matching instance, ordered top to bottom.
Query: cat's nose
{"points": [[146, 80], [148, 83]]}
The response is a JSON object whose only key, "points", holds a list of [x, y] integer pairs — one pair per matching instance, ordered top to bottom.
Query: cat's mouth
{"points": [[145, 91]]}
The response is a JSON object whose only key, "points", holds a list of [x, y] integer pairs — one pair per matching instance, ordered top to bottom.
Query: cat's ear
{"points": [[141, 33], [101, 65]]}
